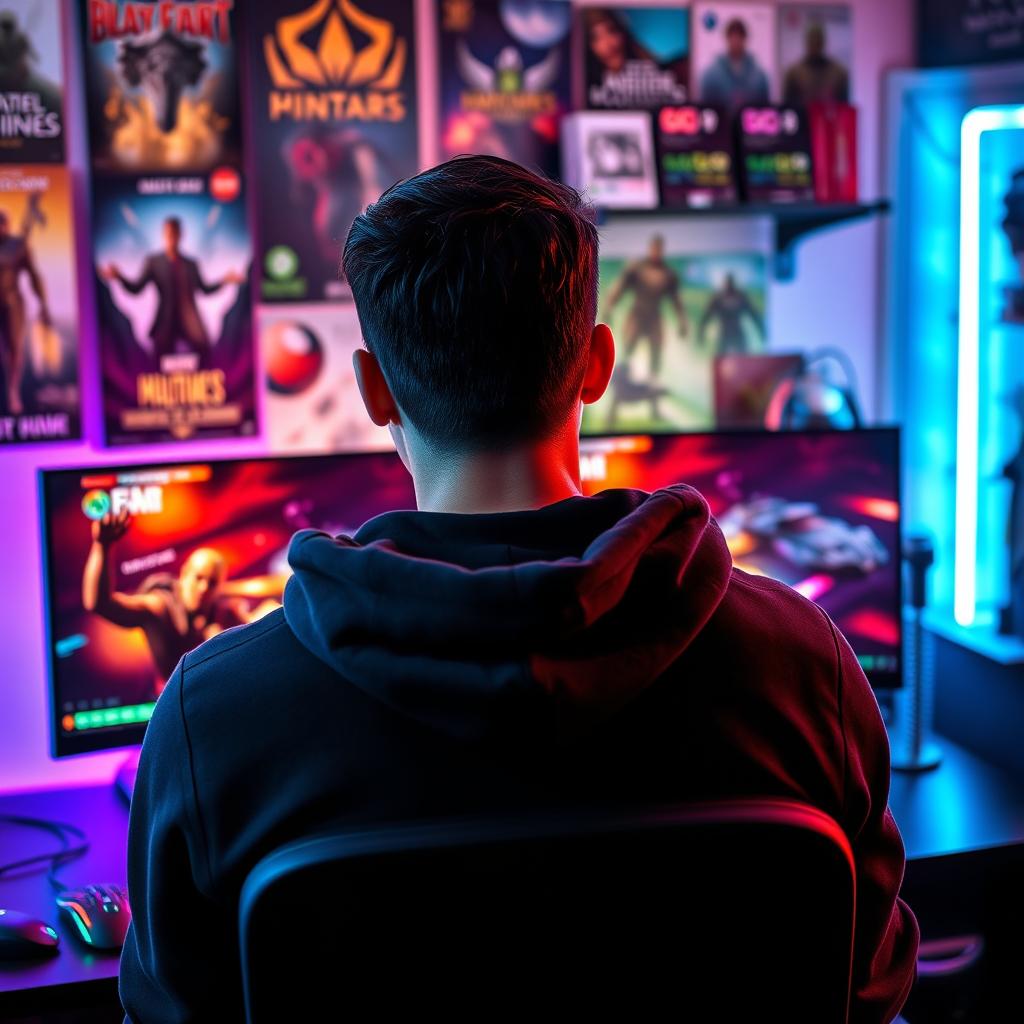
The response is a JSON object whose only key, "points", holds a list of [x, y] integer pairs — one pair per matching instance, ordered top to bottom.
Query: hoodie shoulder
{"points": [[769, 612], [229, 642]]}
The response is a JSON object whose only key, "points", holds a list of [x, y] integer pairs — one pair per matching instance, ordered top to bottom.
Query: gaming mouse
{"points": [[100, 914], [23, 936]]}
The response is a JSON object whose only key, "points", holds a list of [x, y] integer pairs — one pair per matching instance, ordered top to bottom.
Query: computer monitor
{"points": [[818, 511], [195, 526]]}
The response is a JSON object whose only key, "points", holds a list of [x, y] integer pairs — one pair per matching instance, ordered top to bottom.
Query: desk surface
{"points": [[963, 806], [102, 814]]}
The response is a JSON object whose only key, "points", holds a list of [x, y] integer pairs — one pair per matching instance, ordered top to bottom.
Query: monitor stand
{"points": [[913, 749], [124, 780]]}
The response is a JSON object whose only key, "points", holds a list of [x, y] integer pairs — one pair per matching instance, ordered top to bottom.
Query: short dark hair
{"points": [[736, 26], [173, 222], [476, 288]]}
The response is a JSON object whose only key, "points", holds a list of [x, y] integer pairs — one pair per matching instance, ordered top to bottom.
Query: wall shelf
{"points": [[792, 221], [1005, 650]]}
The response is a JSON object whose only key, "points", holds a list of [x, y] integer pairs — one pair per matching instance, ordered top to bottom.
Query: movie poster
{"points": [[733, 52], [815, 53], [635, 57], [505, 78], [31, 80], [161, 85], [334, 122], [172, 262], [671, 313], [39, 393], [312, 402]]}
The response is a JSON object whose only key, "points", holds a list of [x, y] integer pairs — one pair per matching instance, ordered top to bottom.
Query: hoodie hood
{"points": [[480, 625]]}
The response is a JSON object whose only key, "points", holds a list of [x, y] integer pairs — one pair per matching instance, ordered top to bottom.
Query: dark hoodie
{"points": [[598, 649]]}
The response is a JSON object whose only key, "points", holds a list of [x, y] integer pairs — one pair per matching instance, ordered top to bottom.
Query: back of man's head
{"points": [[476, 288]]}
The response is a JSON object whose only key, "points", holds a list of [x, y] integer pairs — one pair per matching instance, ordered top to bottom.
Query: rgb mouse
{"points": [[100, 914], [23, 936]]}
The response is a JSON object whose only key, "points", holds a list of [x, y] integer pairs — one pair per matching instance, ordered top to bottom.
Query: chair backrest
{"points": [[744, 908]]}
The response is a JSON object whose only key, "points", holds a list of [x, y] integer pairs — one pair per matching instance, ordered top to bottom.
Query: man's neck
{"points": [[526, 477]]}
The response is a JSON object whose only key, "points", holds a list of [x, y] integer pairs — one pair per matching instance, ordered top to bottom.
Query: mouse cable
{"points": [[57, 858]]}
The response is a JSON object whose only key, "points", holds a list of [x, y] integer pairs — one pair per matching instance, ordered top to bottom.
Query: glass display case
{"points": [[953, 355], [989, 541]]}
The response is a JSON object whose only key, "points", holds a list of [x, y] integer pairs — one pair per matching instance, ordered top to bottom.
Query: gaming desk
{"points": [[964, 809]]}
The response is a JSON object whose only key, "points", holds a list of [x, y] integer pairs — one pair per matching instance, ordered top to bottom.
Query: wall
{"points": [[834, 300]]}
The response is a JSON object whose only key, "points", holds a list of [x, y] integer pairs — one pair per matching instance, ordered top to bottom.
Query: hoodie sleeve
{"points": [[887, 936], [173, 960]]}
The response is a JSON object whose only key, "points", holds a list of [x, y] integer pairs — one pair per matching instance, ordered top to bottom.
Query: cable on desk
{"points": [[56, 859]]}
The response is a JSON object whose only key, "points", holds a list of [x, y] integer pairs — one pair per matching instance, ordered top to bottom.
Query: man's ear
{"points": [[599, 365], [380, 404]]}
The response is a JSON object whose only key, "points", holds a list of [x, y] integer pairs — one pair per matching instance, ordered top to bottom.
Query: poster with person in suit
{"points": [[172, 261]]}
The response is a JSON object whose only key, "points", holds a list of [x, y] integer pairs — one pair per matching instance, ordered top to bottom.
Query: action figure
{"points": [[1013, 225], [15, 258], [177, 280], [728, 306], [1013, 616]]}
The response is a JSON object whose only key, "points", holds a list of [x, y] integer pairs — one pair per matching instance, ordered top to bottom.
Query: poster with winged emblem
{"points": [[505, 78]]}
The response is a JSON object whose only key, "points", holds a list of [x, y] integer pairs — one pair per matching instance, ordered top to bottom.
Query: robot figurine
{"points": [[1013, 225], [1013, 614]]}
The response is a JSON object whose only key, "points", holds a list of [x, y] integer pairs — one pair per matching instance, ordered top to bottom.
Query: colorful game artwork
{"points": [[815, 53], [733, 54], [635, 58], [505, 78], [31, 82], [161, 85], [334, 122], [172, 261], [671, 313], [39, 393], [312, 403], [816, 510], [198, 547]]}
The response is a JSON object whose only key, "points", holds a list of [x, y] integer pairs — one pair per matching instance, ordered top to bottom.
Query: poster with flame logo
{"points": [[505, 78], [31, 80], [161, 86], [334, 123], [172, 267], [39, 392]]}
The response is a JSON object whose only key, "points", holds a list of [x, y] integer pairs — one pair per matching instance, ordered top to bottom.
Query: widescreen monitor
{"points": [[817, 511]]}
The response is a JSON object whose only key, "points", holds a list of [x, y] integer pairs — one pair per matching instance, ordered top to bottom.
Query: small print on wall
{"points": [[815, 53], [733, 54], [172, 262], [39, 394], [312, 403]]}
